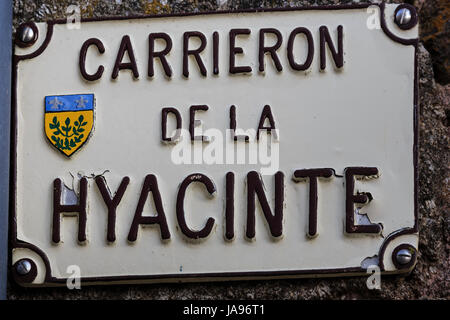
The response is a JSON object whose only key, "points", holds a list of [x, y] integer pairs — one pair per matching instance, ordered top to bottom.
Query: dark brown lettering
{"points": [[125, 46], [290, 49], [237, 50], [272, 50], [195, 53], [215, 53], [160, 54], [338, 56], [82, 61], [164, 113], [266, 114], [193, 121], [243, 137], [312, 175], [150, 185], [255, 187], [361, 199], [111, 203], [229, 207], [79, 208], [193, 234]]}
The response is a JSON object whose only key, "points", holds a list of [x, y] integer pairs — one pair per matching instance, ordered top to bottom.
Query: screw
{"points": [[403, 16], [26, 34], [404, 256], [23, 267]]}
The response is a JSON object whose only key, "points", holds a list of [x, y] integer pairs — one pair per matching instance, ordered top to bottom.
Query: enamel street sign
{"points": [[212, 146]]}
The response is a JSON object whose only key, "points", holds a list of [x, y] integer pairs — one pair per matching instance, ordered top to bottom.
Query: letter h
{"points": [[79, 208]]}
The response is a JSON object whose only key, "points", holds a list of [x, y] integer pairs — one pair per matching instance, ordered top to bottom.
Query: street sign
{"points": [[213, 146]]}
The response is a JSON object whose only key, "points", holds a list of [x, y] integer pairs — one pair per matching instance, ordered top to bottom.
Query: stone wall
{"points": [[430, 278]]}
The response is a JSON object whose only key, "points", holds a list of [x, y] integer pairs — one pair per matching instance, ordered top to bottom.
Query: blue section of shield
{"points": [[72, 102]]}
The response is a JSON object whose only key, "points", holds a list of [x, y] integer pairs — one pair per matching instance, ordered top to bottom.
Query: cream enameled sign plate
{"points": [[127, 169]]}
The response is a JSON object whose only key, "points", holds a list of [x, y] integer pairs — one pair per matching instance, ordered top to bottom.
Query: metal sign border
{"points": [[222, 276]]}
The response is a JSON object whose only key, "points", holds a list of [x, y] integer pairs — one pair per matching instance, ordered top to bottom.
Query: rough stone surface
{"points": [[435, 34], [430, 278]]}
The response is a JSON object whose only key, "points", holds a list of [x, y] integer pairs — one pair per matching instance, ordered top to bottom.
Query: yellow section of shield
{"points": [[68, 131]]}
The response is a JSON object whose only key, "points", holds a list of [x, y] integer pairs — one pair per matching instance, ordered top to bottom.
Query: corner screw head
{"points": [[403, 16], [27, 34], [404, 256], [23, 267]]}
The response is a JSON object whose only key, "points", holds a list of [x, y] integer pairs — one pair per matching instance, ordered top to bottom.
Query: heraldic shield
{"points": [[69, 120]]}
